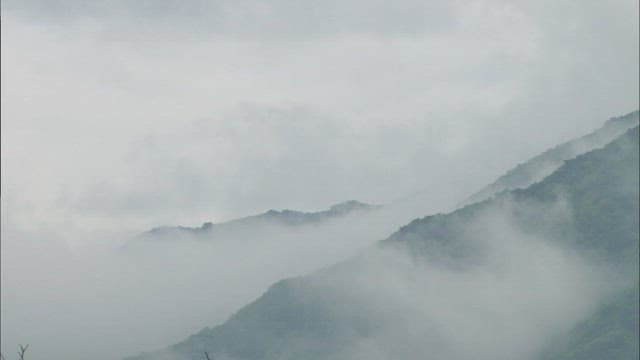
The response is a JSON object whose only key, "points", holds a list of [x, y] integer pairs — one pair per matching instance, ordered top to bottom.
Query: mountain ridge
{"points": [[542, 165], [286, 217], [303, 317]]}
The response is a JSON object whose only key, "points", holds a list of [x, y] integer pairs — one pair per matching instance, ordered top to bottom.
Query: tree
{"points": [[23, 349]]}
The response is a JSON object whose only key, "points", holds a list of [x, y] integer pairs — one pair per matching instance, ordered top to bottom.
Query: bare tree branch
{"points": [[23, 349]]}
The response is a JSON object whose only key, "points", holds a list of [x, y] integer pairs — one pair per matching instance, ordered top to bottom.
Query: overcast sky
{"points": [[130, 114]]}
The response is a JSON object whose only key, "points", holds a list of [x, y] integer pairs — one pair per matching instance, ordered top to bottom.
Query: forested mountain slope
{"points": [[544, 164], [546, 272]]}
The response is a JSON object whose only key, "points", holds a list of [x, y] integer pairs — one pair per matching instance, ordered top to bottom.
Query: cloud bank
{"points": [[140, 114], [120, 116]]}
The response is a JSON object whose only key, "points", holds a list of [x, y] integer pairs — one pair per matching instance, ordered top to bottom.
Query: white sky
{"points": [[126, 115]]}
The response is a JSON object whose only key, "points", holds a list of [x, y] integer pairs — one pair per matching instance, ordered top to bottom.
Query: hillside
{"points": [[546, 163], [494, 280], [610, 333]]}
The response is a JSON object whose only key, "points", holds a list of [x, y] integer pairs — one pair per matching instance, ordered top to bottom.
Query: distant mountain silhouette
{"points": [[286, 218]]}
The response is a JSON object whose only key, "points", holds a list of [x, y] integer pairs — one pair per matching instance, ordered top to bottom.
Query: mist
{"points": [[131, 116], [119, 117], [117, 295], [511, 297]]}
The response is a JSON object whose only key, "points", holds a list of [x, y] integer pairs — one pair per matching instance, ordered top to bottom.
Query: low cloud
{"points": [[121, 116], [118, 128], [512, 297], [101, 300]]}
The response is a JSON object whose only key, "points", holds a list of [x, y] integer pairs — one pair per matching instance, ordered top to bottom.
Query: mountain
{"points": [[546, 163], [285, 218], [544, 272], [610, 333]]}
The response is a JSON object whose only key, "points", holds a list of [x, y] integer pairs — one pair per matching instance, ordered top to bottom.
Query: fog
{"points": [[120, 116], [118, 295], [511, 298]]}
